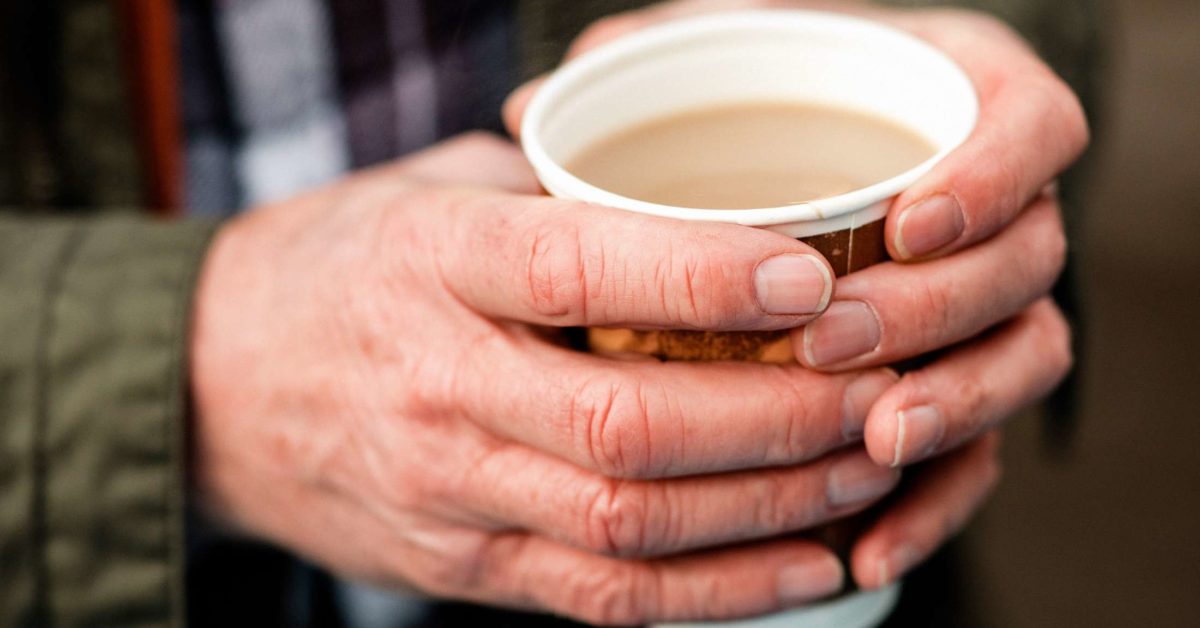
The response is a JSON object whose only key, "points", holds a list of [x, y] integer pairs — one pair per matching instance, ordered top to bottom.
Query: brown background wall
{"points": [[1110, 534]]}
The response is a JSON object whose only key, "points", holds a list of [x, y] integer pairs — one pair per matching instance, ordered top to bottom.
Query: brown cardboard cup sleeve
{"points": [[847, 250]]}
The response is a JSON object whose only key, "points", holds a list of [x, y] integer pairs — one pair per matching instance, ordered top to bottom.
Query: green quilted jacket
{"points": [[94, 302]]}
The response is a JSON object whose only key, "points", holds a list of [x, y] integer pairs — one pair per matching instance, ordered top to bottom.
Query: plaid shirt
{"points": [[284, 95]]}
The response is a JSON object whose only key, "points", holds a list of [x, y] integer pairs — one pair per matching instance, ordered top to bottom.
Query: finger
{"points": [[619, 25], [598, 33], [516, 103], [1031, 127], [476, 159], [565, 263], [892, 312], [970, 390], [646, 420], [517, 486], [936, 506], [723, 584]]}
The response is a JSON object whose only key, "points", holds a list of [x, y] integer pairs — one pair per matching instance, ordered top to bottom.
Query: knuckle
{"points": [[1068, 114], [1063, 120], [1078, 129], [418, 199], [1000, 199], [1056, 247], [1043, 254], [555, 271], [688, 288], [710, 303], [933, 312], [1056, 340], [916, 383], [974, 398], [613, 414], [796, 443], [773, 509], [616, 521], [449, 568], [461, 571], [615, 596], [707, 598]]}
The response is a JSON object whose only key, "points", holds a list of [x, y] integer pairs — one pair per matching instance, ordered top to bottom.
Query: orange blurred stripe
{"points": [[152, 62]]}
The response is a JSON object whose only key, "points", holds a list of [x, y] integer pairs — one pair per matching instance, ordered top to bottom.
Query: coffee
{"points": [[750, 155]]}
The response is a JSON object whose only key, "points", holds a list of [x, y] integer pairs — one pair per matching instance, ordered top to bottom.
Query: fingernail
{"points": [[929, 225], [793, 284], [846, 330], [858, 398], [918, 432], [857, 479], [897, 563], [811, 580]]}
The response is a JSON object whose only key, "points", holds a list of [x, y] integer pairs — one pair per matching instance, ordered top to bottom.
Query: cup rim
{"points": [[560, 181]]}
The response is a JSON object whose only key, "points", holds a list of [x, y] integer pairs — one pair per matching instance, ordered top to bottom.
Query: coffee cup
{"points": [[745, 57]]}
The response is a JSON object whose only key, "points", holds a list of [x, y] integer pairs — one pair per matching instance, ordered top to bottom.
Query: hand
{"points": [[990, 243], [374, 389]]}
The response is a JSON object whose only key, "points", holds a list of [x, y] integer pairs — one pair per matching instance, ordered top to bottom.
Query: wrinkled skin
{"points": [[378, 386]]}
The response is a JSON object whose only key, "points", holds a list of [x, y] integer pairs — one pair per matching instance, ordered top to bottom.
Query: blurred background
{"points": [[1106, 532]]}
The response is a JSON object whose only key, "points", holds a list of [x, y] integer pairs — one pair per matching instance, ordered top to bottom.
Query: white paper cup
{"points": [[750, 56], [774, 56], [723, 59]]}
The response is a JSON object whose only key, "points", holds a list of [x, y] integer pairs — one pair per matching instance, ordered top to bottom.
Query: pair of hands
{"points": [[378, 384]]}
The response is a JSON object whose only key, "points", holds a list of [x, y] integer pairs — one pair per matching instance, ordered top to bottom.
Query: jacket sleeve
{"points": [[93, 327]]}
